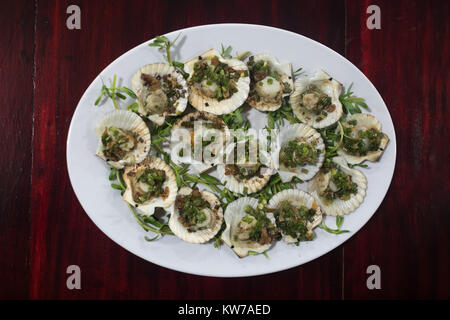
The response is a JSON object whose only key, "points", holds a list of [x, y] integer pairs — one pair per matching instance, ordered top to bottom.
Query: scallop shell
{"points": [[159, 69], [284, 69], [329, 86], [212, 105], [129, 121], [365, 121], [310, 135], [214, 148], [252, 185], [297, 198], [339, 207], [148, 208], [233, 214], [200, 236]]}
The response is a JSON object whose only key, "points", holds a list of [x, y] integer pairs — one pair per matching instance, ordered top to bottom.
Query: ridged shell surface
{"points": [[159, 69], [284, 69], [327, 85], [202, 102], [365, 121], [131, 122], [307, 135], [216, 148], [169, 186], [244, 186], [297, 198], [339, 207], [233, 214], [215, 219]]}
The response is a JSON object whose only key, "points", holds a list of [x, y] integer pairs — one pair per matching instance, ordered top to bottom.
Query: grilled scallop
{"points": [[271, 81], [217, 85], [161, 91], [315, 100], [202, 136], [124, 139], [363, 139], [301, 152], [245, 175], [150, 184], [338, 188], [296, 213], [196, 216], [248, 227]]}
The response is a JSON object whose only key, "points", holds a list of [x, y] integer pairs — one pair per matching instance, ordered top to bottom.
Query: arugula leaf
{"points": [[164, 44], [226, 52], [242, 55], [296, 72], [114, 92], [352, 103], [133, 107], [278, 116], [234, 120], [362, 165], [116, 186], [339, 222], [152, 239], [254, 253]]}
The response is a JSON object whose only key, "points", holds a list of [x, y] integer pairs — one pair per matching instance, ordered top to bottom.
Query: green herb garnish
{"points": [[164, 44], [114, 92], [352, 103], [339, 222]]}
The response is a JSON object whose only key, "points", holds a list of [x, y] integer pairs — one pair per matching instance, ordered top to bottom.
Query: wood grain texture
{"points": [[16, 114], [44, 229], [61, 233], [408, 238]]}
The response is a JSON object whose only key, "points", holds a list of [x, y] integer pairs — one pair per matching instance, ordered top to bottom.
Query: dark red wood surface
{"points": [[45, 68]]}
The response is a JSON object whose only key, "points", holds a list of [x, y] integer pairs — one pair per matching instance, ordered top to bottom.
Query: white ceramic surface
{"points": [[104, 205]]}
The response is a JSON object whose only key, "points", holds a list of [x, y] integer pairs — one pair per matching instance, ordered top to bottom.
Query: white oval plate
{"points": [[104, 205]]}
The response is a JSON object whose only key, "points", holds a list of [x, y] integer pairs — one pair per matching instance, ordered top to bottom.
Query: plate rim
{"points": [[236, 274]]}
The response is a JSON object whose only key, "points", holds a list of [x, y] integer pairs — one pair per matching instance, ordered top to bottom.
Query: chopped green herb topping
{"points": [[219, 78], [161, 93], [315, 100], [361, 142], [117, 143], [295, 153], [149, 185], [341, 186], [191, 209], [293, 220], [256, 226]]}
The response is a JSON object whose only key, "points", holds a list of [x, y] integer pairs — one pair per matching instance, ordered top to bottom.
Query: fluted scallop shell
{"points": [[159, 69], [284, 69], [329, 86], [212, 105], [129, 121], [365, 121], [309, 135], [216, 148], [170, 185], [251, 185], [297, 198], [339, 207], [233, 214], [214, 221]]}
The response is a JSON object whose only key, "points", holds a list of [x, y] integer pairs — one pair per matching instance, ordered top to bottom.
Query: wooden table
{"points": [[45, 68]]}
